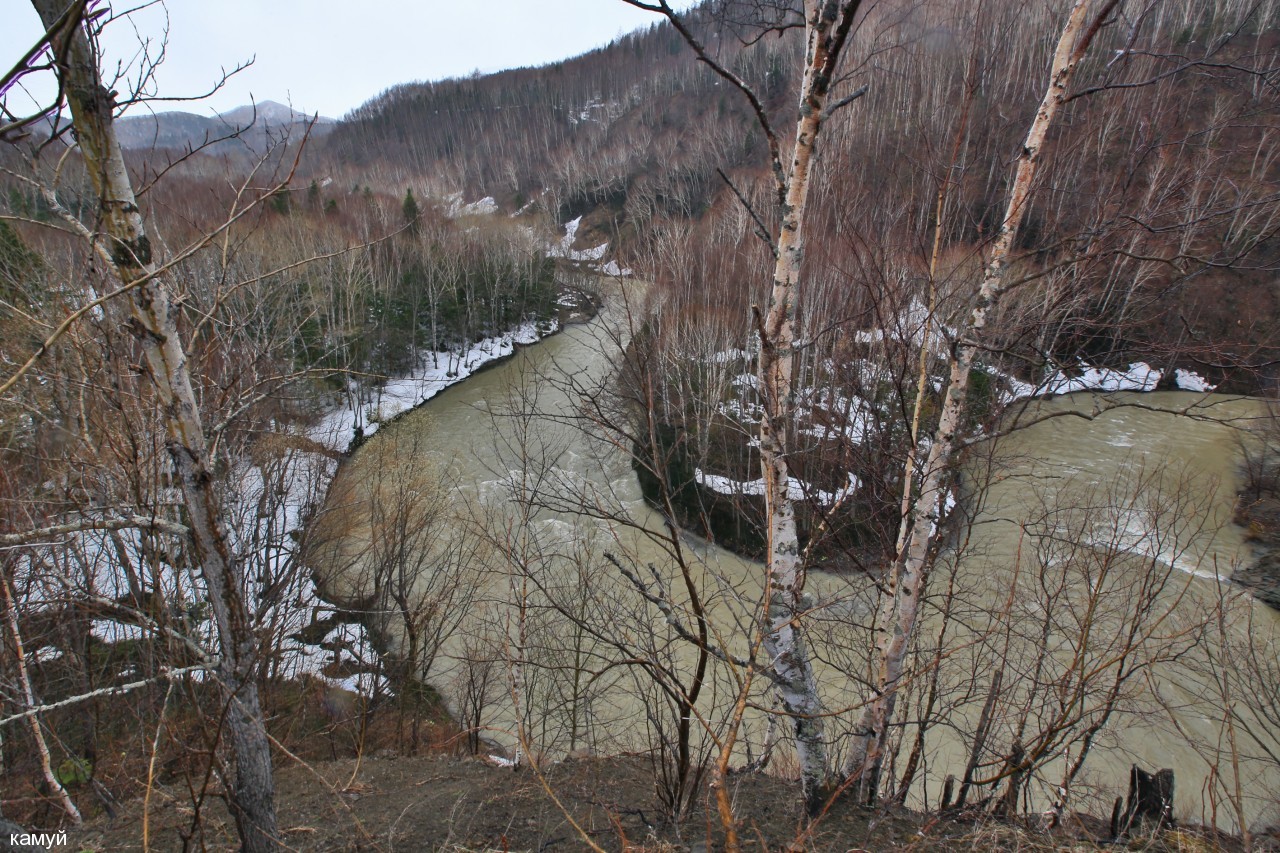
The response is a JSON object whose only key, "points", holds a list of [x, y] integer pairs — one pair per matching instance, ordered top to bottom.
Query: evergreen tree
{"points": [[410, 209]]}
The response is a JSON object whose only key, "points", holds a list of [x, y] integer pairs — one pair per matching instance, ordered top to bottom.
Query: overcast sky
{"points": [[329, 56]]}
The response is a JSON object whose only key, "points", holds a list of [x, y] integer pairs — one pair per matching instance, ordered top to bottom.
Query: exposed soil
{"points": [[439, 803]]}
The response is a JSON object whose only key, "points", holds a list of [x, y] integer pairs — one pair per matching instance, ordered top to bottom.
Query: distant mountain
{"points": [[270, 112], [253, 126]]}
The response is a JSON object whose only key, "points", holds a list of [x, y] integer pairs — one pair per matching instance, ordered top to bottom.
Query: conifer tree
{"points": [[410, 209]]}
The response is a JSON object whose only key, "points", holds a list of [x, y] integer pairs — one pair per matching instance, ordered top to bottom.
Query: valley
{"points": [[808, 425]]}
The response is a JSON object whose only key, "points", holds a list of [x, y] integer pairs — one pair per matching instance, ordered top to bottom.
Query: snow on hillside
{"points": [[455, 207], [588, 257]]}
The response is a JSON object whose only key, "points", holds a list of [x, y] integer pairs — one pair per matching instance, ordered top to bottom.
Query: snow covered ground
{"points": [[455, 207], [590, 257], [435, 372], [1139, 376], [797, 490], [265, 506]]}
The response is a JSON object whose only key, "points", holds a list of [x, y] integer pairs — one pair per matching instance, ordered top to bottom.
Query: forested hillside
{"points": [[633, 132], [1172, 137], [1152, 237]]}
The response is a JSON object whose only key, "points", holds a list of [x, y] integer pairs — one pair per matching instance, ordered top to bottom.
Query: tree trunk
{"points": [[827, 27], [154, 322], [896, 621], [784, 641], [1150, 799]]}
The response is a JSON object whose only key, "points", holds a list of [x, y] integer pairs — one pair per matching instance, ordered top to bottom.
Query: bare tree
{"points": [[827, 26], [122, 244], [420, 575], [899, 612]]}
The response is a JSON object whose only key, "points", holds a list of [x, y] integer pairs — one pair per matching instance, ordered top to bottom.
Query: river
{"points": [[1083, 521]]}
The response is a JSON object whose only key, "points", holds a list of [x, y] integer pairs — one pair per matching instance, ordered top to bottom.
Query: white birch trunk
{"points": [[827, 27], [154, 322], [896, 621], [784, 641]]}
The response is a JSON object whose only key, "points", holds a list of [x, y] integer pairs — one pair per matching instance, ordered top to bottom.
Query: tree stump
{"points": [[1150, 798]]}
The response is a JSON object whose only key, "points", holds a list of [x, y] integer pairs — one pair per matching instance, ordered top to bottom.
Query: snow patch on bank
{"points": [[528, 205], [455, 207], [591, 258], [911, 326], [728, 355], [435, 372], [1139, 376], [1189, 380], [797, 490], [265, 512]]}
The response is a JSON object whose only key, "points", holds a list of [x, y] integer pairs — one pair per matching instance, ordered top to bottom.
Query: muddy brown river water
{"points": [[1150, 485]]}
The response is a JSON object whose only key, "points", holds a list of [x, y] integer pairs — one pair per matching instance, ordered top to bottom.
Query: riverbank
{"points": [[347, 425], [846, 467], [1085, 474], [1258, 513], [1262, 578], [340, 642]]}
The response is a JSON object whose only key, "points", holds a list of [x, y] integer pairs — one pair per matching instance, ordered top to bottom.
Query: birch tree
{"points": [[827, 27], [122, 243], [905, 583]]}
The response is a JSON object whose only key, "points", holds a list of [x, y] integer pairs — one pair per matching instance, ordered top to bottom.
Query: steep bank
{"points": [[1258, 512], [439, 804]]}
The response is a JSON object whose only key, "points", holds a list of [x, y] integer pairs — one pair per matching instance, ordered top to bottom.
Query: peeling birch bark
{"points": [[828, 24], [153, 320], [899, 611], [784, 641]]}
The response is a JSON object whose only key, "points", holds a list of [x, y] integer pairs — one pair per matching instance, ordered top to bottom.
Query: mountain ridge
{"points": [[253, 125]]}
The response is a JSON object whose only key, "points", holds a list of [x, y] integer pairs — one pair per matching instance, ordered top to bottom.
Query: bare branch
{"points": [[662, 7], [761, 231], [131, 522], [117, 690]]}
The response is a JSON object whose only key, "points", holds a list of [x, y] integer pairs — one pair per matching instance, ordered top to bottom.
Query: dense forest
{"points": [[637, 135], [815, 271]]}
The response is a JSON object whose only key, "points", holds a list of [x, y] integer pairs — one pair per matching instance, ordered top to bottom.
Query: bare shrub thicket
{"points": [[951, 282], [589, 670]]}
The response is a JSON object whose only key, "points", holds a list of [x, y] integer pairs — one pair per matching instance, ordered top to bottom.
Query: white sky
{"points": [[329, 56]]}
